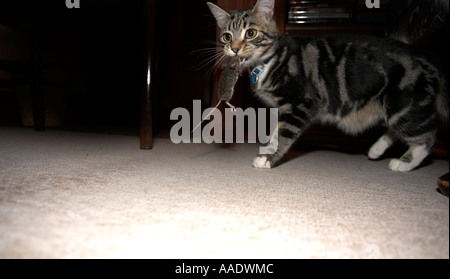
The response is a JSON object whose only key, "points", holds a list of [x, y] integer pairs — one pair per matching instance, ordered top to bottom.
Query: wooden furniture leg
{"points": [[148, 80]]}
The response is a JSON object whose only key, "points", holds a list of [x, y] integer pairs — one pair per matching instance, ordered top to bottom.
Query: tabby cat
{"points": [[354, 82]]}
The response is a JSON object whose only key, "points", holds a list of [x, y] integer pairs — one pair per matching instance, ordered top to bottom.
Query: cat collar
{"points": [[254, 77]]}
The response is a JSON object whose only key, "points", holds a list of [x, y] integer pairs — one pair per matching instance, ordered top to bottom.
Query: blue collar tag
{"points": [[254, 77]]}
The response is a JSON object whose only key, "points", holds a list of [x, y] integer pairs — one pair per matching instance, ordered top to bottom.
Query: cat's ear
{"points": [[265, 9], [222, 17]]}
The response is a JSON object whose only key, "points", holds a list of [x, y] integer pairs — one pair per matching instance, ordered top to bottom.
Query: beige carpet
{"points": [[80, 195]]}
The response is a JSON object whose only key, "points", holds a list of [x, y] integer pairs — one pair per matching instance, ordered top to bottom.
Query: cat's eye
{"points": [[251, 33], [226, 37]]}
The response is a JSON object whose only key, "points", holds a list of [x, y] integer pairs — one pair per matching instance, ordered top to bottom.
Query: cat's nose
{"points": [[235, 49]]}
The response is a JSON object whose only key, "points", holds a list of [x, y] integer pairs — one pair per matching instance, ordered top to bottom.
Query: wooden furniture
{"points": [[110, 50], [31, 68], [148, 75]]}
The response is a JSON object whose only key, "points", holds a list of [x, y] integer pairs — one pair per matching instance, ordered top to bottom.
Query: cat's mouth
{"points": [[244, 59]]}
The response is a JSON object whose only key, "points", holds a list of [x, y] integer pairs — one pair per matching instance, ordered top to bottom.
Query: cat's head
{"points": [[248, 34]]}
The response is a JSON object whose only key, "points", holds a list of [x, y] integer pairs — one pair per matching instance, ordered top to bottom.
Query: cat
{"points": [[353, 82]]}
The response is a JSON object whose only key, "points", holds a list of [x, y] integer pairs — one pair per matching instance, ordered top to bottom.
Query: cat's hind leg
{"points": [[379, 147], [419, 149], [411, 159]]}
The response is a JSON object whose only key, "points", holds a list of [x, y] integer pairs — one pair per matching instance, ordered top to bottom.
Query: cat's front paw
{"points": [[262, 162]]}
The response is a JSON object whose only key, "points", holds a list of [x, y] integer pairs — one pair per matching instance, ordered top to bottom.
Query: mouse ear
{"points": [[264, 8], [222, 17]]}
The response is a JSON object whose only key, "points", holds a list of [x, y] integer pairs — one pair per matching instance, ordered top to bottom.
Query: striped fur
{"points": [[354, 82]]}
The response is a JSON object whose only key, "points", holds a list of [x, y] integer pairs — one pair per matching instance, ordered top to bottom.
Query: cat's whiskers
{"points": [[212, 54], [215, 59]]}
